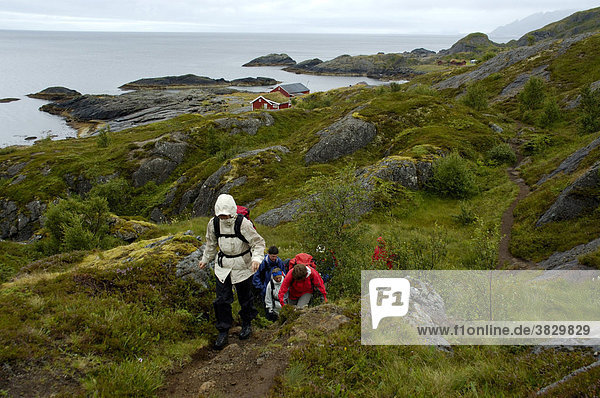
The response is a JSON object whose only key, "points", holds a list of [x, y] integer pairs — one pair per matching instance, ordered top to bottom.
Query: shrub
{"points": [[487, 56], [394, 87], [533, 94], [476, 97], [314, 101], [551, 114], [589, 121], [103, 139], [538, 143], [501, 154], [452, 178], [118, 195], [466, 216], [329, 221], [75, 224], [483, 251]]}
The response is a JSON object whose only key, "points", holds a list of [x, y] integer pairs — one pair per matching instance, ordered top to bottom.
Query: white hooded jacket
{"points": [[239, 267], [271, 295]]}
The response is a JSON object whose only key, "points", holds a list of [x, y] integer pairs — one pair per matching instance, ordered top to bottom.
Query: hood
{"points": [[225, 205], [303, 258]]}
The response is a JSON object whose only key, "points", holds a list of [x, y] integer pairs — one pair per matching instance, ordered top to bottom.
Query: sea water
{"points": [[98, 63]]}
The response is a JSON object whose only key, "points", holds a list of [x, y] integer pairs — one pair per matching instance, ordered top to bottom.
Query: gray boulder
{"points": [[247, 124], [342, 138], [174, 151], [166, 156], [571, 163], [157, 170], [407, 172], [580, 197], [279, 215], [19, 224], [569, 259], [188, 268]]}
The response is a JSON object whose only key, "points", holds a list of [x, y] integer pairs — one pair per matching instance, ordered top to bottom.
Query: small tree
{"points": [[533, 94], [476, 97], [552, 113], [589, 121], [452, 177], [330, 215]]}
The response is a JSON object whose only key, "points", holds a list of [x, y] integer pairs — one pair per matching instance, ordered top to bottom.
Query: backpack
{"points": [[237, 233]]}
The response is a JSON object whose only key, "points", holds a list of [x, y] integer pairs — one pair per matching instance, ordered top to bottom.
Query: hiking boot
{"points": [[246, 332], [221, 341]]}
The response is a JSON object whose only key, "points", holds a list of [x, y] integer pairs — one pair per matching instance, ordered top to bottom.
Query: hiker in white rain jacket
{"points": [[241, 249], [272, 303]]}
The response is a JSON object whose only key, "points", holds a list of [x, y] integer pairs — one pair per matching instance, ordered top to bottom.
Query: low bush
{"points": [[476, 97], [589, 121], [501, 154], [452, 178]]}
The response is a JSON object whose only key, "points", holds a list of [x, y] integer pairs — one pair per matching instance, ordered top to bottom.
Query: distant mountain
{"points": [[580, 22], [518, 28]]}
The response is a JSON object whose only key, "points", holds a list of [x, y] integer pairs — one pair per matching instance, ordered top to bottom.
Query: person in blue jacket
{"points": [[262, 277]]}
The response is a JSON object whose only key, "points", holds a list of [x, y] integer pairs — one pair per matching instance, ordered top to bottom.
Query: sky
{"points": [[273, 16]]}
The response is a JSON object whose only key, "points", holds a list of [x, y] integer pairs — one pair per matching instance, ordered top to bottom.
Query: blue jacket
{"points": [[262, 277]]}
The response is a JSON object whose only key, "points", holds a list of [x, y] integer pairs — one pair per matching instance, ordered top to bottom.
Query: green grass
{"points": [[341, 366]]}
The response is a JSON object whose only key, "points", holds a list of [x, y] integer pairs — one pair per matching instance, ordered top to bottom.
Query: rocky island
{"points": [[272, 60], [192, 81], [55, 94]]}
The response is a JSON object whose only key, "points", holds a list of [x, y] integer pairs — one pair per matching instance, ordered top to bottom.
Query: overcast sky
{"points": [[271, 16]]}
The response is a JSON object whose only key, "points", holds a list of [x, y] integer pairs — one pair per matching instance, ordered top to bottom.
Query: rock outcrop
{"points": [[474, 42], [422, 52], [506, 59], [272, 60], [304, 66], [192, 81], [517, 85], [55, 94], [7, 100], [138, 108], [248, 124], [344, 137], [166, 156], [571, 163], [408, 172], [202, 196], [581, 197], [280, 215], [20, 224], [129, 230], [569, 259], [188, 268]]}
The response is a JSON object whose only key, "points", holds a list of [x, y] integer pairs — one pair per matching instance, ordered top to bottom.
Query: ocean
{"points": [[98, 63]]}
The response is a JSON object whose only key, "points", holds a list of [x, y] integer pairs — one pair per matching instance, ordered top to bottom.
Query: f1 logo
{"points": [[389, 297]]}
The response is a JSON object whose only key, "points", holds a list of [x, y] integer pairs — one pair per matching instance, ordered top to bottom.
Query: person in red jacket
{"points": [[381, 254], [301, 282]]}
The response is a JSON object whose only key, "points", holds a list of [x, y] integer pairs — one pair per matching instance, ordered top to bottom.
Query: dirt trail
{"points": [[505, 258], [245, 368], [248, 368]]}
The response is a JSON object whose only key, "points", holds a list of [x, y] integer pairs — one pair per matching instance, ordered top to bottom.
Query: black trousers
{"points": [[224, 300]]}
